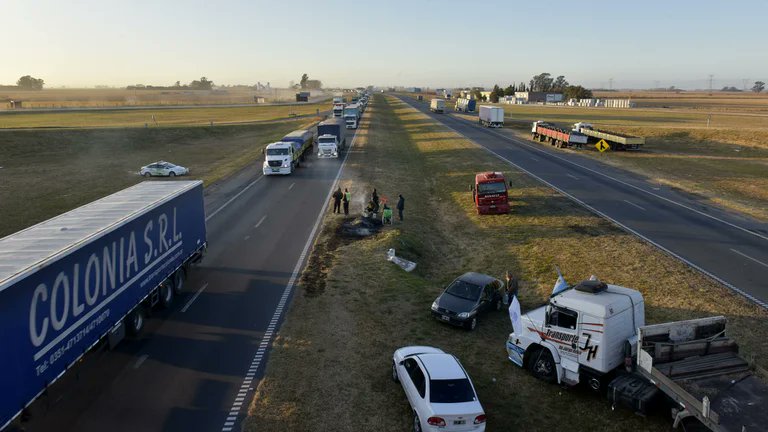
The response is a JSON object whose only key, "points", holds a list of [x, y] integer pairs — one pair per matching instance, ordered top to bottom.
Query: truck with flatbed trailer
{"points": [[437, 105], [465, 105], [491, 116], [557, 136], [331, 138], [616, 140], [284, 156], [81, 281], [595, 333]]}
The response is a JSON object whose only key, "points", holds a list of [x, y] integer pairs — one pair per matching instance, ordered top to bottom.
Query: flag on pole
{"points": [[561, 284], [514, 316]]}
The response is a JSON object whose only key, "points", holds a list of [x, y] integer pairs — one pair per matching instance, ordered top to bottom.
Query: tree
{"points": [[303, 82], [542, 82], [28, 83], [177, 84], [201, 84], [560, 84], [521, 87], [758, 87], [730, 89], [510, 91], [577, 92], [495, 93], [478, 95]]}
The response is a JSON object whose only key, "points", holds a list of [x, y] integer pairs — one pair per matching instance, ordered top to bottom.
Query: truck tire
{"points": [[179, 278], [166, 293], [134, 321], [542, 366]]}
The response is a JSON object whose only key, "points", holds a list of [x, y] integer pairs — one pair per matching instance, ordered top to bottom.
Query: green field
{"points": [[150, 117], [44, 173], [329, 368]]}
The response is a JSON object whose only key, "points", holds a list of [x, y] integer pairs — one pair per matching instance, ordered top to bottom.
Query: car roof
{"points": [[477, 278], [441, 366]]}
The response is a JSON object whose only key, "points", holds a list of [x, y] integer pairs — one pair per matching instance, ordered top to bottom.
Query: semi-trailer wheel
{"points": [[179, 278], [166, 293], [135, 321]]}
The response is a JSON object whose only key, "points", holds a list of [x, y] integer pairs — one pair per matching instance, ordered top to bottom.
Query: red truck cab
{"points": [[490, 193]]}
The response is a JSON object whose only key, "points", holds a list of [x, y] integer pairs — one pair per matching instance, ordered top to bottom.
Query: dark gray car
{"points": [[466, 297]]}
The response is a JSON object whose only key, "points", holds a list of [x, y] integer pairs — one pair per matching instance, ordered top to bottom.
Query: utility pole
{"points": [[745, 81], [610, 83], [710, 84]]}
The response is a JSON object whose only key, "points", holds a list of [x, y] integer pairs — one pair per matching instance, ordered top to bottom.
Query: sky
{"points": [[426, 43]]}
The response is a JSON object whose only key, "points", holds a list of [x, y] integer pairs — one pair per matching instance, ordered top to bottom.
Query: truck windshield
{"points": [[350, 113], [329, 140], [277, 151], [491, 188], [465, 290], [451, 391]]}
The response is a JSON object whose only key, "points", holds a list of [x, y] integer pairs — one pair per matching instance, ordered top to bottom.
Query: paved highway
{"points": [[729, 247], [196, 365]]}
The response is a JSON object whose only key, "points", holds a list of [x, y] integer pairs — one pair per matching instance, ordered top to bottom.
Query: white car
{"points": [[163, 168], [439, 390]]}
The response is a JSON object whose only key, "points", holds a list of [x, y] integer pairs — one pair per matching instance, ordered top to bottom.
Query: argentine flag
{"points": [[561, 284]]}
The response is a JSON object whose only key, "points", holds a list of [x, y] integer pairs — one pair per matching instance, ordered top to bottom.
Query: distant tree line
{"points": [[26, 82], [539, 83], [202, 84], [308, 84]]}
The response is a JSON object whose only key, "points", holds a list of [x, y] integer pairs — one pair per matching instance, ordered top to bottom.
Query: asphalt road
{"points": [[729, 247], [196, 365]]}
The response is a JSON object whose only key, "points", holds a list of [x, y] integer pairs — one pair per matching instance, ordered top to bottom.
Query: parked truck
{"points": [[302, 96], [338, 100], [465, 105], [437, 106], [338, 109], [351, 116], [491, 116], [556, 136], [331, 139], [616, 140], [284, 156], [489, 193], [84, 279], [595, 333]]}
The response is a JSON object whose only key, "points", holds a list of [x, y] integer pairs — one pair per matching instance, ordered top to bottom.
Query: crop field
{"points": [[121, 97], [695, 100], [152, 117], [44, 173], [330, 365]]}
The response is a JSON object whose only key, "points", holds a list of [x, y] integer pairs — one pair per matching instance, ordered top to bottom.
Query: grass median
{"points": [[45, 173], [329, 367]]}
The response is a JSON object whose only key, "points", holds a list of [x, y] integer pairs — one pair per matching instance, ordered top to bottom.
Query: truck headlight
{"points": [[286, 164], [434, 305], [464, 315]]}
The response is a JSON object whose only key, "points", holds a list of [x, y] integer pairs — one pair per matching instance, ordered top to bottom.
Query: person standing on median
{"points": [[347, 199], [337, 200], [400, 206]]}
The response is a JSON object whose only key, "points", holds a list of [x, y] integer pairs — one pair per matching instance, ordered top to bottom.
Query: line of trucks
{"points": [[489, 116], [582, 133], [83, 280], [594, 333]]}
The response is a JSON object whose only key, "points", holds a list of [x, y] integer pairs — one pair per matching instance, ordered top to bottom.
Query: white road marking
{"points": [[534, 158], [572, 176], [291, 186], [233, 198], [633, 204], [617, 223], [258, 224], [246, 237], [749, 257], [194, 297], [140, 361], [256, 362]]}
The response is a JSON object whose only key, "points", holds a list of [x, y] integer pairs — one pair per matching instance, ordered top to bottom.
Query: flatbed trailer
{"points": [[558, 137], [616, 140], [698, 367]]}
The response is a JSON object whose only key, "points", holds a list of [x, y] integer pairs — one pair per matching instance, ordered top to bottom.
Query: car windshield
{"points": [[277, 151], [491, 188], [465, 290], [451, 391]]}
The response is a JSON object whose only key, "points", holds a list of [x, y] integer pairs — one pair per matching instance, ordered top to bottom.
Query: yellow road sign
{"points": [[602, 146]]}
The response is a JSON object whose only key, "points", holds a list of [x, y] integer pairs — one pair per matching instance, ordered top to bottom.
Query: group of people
{"points": [[374, 204]]}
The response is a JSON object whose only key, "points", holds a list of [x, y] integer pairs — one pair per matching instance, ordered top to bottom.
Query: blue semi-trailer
{"points": [[87, 277]]}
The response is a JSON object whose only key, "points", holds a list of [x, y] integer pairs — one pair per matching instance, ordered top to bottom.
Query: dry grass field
{"points": [[120, 97], [748, 102], [152, 117], [44, 173], [329, 368]]}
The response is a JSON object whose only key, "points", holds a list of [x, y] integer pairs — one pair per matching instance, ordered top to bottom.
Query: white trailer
{"points": [[437, 106], [491, 116]]}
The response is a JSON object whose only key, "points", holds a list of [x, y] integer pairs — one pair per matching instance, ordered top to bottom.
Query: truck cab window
{"points": [[562, 317]]}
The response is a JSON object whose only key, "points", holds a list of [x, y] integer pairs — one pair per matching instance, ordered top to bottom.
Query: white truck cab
{"points": [[328, 146], [279, 158], [582, 334]]}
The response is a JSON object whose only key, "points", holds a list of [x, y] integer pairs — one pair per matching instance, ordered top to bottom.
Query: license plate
{"points": [[275, 169], [493, 205], [446, 318], [459, 422]]}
